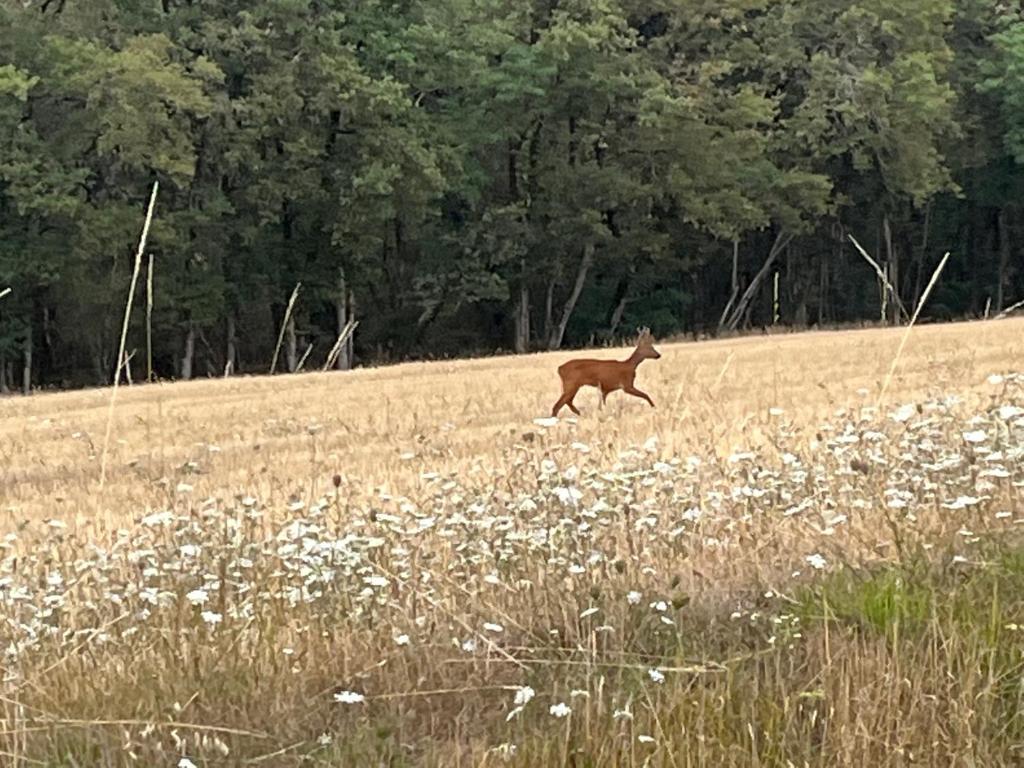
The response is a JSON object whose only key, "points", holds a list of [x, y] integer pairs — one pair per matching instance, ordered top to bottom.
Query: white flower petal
{"points": [[349, 697]]}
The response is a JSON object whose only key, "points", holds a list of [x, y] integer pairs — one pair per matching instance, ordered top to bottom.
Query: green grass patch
{"points": [[984, 596]]}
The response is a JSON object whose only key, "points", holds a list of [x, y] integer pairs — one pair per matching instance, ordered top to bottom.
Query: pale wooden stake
{"points": [[284, 325]]}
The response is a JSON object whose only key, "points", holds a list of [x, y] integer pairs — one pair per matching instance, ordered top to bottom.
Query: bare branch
{"points": [[881, 276], [1004, 314]]}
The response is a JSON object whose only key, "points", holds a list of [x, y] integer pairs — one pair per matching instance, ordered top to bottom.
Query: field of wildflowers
{"points": [[835, 584]]}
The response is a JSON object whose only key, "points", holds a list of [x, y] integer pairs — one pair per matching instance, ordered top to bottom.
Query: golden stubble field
{"points": [[383, 427], [414, 566]]}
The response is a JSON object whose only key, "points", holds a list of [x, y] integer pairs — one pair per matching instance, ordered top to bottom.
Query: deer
{"points": [[607, 375]]}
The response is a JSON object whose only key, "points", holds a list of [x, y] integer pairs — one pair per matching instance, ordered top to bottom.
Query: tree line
{"points": [[466, 176]]}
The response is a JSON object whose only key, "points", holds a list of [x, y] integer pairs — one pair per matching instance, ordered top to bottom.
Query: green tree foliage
{"points": [[473, 175]]}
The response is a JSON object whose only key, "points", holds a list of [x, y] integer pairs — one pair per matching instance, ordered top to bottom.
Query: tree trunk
{"points": [[513, 171], [781, 241], [922, 254], [892, 260], [1004, 260], [834, 273], [735, 283], [822, 287], [977, 289], [621, 300], [549, 309], [343, 312], [800, 314], [522, 319], [340, 321], [558, 333], [48, 338], [291, 345], [348, 348], [189, 354], [231, 356], [210, 361], [343, 362], [98, 366], [26, 374], [4, 389]]}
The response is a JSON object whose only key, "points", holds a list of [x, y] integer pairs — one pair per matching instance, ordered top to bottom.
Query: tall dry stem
{"points": [[4, 292], [124, 330], [906, 333], [725, 369]]}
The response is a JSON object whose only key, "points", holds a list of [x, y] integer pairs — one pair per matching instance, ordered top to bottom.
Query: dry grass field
{"points": [[274, 437], [399, 566]]}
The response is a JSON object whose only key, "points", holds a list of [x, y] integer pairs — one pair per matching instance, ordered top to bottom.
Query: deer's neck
{"points": [[635, 359]]}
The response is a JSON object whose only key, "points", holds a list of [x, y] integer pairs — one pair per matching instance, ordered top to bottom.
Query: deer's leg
{"points": [[631, 390], [569, 395], [566, 399], [558, 406]]}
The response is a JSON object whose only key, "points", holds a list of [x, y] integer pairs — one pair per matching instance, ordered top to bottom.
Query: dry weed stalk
{"points": [[4, 292], [910, 327], [124, 330], [725, 369]]}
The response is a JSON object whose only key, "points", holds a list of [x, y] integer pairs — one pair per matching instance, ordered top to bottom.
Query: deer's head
{"points": [[645, 346]]}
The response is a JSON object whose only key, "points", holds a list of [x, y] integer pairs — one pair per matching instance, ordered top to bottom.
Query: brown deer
{"points": [[607, 375]]}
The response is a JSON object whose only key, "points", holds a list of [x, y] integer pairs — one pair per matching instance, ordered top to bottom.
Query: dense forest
{"points": [[466, 176]]}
